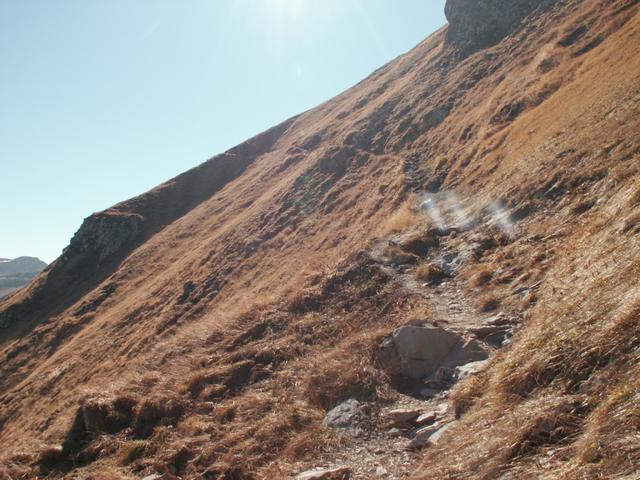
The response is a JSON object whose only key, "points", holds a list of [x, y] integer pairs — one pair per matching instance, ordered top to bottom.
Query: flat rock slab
{"points": [[470, 369], [403, 415], [425, 418], [424, 434], [430, 435], [435, 438]]}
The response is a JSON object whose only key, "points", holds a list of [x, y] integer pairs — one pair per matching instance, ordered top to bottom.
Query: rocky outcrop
{"points": [[478, 24], [104, 234]]}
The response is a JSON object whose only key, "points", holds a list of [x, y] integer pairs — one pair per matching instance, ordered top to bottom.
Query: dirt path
{"points": [[447, 299], [379, 450]]}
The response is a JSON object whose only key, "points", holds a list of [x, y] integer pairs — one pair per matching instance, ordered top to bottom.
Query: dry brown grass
{"points": [[634, 200], [403, 218], [398, 256], [431, 274], [482, 277], [488, 303], [338, 378], [563, 387], [556, 403], [134, 450]]}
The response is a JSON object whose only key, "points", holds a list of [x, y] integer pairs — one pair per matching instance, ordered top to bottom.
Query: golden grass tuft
{"points": [[634, 200], [405, 217], [430, 273], [482, 277], [488, 303], [337, 379], [134, 450]]}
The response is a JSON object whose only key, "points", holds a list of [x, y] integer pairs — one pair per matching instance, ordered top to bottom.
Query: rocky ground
{"points": [[384, 439]]}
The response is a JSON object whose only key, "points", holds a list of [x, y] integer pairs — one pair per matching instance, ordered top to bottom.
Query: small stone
{"points": [[346, 415], [403, 415], [425, 418], [395, 432], [423, 435], [381, 471], [342, 473], [153, 476]]}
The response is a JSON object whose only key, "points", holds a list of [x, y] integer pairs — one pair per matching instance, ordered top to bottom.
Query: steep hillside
{"points": [[205, 328]]}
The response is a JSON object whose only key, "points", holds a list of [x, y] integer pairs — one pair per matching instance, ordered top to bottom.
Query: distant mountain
{"points": [[18, 272]]}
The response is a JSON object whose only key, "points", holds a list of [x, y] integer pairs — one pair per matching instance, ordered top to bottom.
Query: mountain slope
{"points": [[204, 328]]}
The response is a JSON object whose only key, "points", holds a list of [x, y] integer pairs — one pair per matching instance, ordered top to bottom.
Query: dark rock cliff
{"points": [[478, 24]]}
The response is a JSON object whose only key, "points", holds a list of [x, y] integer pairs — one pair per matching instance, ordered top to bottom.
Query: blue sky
{"points": [[103, 100]]}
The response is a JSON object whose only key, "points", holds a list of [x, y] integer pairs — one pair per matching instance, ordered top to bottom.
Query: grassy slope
{"points": [[282, 313]]}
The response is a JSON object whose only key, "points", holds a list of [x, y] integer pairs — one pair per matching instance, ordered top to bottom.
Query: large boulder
{"points": [[417, 351]]}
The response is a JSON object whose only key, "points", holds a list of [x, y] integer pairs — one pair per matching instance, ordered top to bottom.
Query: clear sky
{"points": [[103, 100]]}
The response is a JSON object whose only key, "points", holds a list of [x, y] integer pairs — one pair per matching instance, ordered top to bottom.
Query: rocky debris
{"points": [[478, 24], [452, 262], [495, 330], [416, 350], [423, 350], [474, 351], [469, 369], [348, 415], [417, 423], [381, 471], [341, 473]]}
